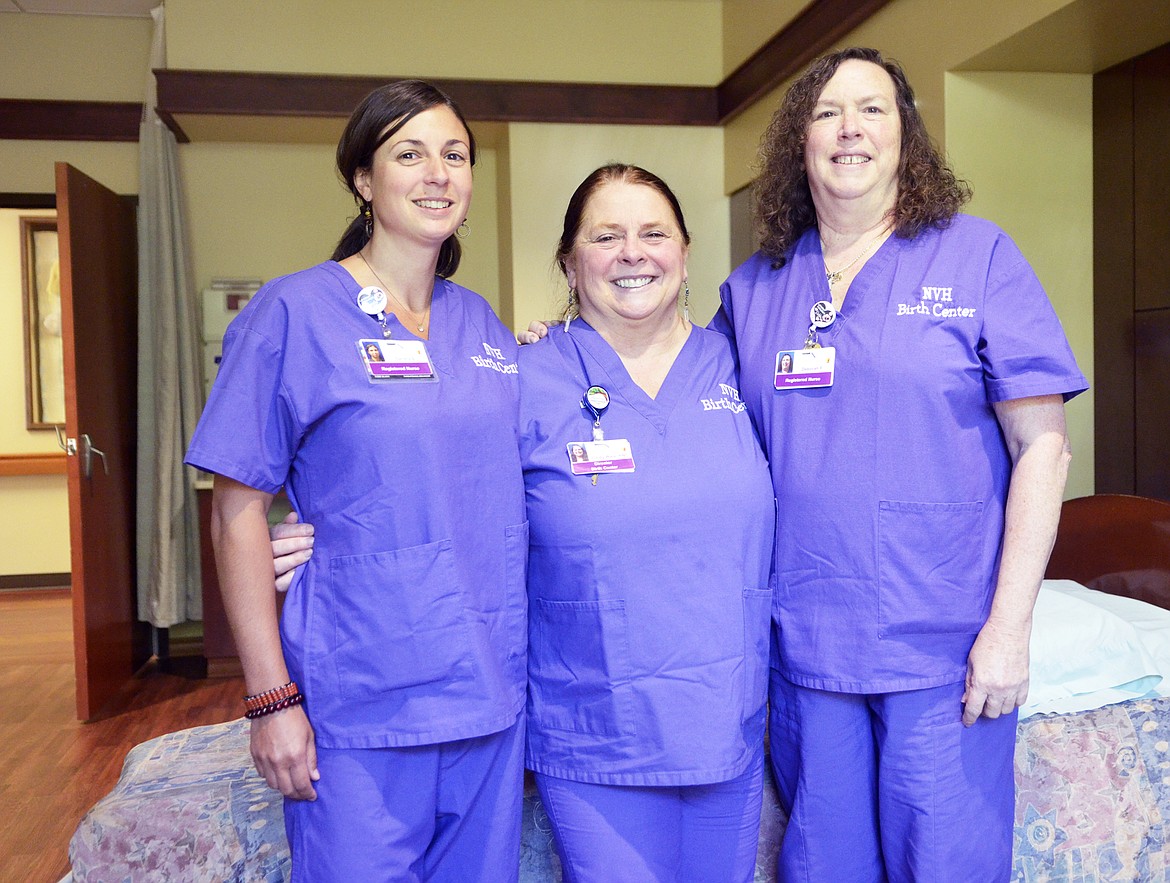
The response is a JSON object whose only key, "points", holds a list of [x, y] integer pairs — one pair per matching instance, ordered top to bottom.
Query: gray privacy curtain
{"points": [[170, 377]]}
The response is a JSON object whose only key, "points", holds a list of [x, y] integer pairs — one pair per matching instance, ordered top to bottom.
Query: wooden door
{"points": [[98, 246], [1131, 294]]}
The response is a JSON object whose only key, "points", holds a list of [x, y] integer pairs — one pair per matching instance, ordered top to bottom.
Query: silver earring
{"points": [[463, 230], [686, 301], [569, 308]]}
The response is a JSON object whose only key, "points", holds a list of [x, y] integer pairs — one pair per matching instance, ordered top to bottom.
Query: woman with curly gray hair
{"points": [[918, 452]]}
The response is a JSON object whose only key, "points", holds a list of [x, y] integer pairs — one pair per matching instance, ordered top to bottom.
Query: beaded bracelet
{"points": [[260, 700], [273, 707]]}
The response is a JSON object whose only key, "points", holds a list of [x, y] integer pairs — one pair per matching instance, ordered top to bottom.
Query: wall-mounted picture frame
{"points": [[44, 355]]}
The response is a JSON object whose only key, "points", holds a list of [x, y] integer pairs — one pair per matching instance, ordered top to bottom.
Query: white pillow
{"points": [[1152, 623], [1084, 655]]}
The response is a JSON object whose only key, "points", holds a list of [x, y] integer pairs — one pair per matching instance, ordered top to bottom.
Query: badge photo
{"points": [[396, 359], [807, 368], [595, 457]]}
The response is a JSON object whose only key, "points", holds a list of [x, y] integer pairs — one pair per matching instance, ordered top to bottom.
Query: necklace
{"points": [[834, 276], [419, 324]]}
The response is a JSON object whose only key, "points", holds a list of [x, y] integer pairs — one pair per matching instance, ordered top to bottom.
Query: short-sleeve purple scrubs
{"points": [[891, 483], [891, 486], [648, 591], [407, 626]]}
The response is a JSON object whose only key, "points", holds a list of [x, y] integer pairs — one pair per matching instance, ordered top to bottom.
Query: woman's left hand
{"points": [[997, 666], [997, 673]]}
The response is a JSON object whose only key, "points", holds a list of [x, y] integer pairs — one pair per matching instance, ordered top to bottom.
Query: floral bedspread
{"points": [[1093, 795], [1092, 805]]}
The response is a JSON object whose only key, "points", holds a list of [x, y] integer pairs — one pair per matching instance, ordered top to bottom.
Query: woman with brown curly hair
{"points": [[918, 453]]}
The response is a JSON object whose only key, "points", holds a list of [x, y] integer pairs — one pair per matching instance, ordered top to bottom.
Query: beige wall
{"points": [[748, 24], [605, 41], [53, 56], [86, 58], [1034, 178], [34, 510], [34, 520]]}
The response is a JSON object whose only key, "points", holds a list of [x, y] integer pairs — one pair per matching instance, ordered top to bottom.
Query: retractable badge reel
{"points": [[371, 300], [821, 316], [597, 401]]}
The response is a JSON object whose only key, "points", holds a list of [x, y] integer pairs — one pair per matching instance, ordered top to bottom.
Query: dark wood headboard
{"points": [[1115, 543]]}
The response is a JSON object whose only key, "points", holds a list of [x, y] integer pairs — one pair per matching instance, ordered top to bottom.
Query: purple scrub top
{"points": [[891, 484], [649, 592], [408, 624]]}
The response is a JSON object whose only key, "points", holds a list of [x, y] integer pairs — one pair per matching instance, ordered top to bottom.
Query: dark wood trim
{"points": [[819, 26], [231, 93], [249, 93], [26, 119], [173, 124], [28, 200], [1114, 405], [32, 464], [46, 585]]}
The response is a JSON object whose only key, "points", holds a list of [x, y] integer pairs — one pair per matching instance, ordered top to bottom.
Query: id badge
{"points": [[396, 359], [805, 368], [595, 457]]}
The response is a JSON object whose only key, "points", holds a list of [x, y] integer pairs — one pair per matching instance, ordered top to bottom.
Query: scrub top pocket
{"points": [[931, 578], [399, 619], [757, 629], [579, 667]]}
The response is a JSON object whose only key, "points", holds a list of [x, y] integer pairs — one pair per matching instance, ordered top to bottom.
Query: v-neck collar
{"points": [[858, 288], [442, 304], [598, 355]]}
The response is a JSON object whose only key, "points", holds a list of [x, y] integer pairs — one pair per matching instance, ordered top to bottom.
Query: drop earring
{"points": [[369, 216], [463, 230], [686, 301], [569, 308]]}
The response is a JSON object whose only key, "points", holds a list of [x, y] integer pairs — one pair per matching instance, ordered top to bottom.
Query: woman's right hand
{"points": [[292, 546], [285, 752]]}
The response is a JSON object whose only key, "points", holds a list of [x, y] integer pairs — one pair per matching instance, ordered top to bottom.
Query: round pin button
{"points": [[371, 300], [822, 314], [597, 398]]}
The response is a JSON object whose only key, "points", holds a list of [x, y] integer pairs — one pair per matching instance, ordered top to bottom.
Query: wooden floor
{"points": [[53, 768]]}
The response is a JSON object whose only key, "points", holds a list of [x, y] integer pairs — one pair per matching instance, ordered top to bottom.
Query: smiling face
{"points": [[854, 139], [419, 182], [629, 258]]}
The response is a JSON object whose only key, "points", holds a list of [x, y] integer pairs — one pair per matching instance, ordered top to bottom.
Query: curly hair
{"points": [[929, 193]]}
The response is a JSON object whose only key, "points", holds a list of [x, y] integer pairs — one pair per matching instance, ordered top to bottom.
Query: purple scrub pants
{"points": [[891, 786], [447, 813], [655, 834]]}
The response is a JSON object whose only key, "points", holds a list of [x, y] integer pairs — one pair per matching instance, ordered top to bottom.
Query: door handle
{"points": [[68, 445], [87, 454]]}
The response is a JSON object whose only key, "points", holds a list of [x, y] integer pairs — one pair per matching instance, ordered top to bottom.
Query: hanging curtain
{"points": [[170, 380]]}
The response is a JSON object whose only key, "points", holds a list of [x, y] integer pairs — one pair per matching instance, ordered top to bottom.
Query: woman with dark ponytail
{"points": [[385, 707]]}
